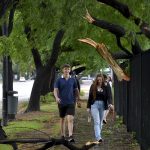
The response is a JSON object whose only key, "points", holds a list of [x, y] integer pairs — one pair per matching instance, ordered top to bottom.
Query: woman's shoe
{"points": [[104, 121], [100, 141]]}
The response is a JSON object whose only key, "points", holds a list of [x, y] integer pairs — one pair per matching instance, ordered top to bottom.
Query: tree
{"points": [[45, 18], [119, 32], [43, 72]]}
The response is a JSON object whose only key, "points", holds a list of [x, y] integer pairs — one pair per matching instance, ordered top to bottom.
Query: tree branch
{"points": [[4, 4], [124, 10], [11, 17], [114, 29], [117, 30], [27, 31], [122, 48], [56, 49], [136, 49], [103, 51], [35, 52], [120, 55], [37, 58], [50, 143]]}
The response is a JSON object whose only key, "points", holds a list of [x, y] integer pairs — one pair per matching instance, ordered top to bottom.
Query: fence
{"points": [[132, 99]]}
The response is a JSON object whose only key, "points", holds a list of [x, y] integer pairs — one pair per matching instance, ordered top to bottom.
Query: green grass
{"points": [[52, 107], [44, 118], [34, 121], [118, 122], [22, 126], [56, 129], [107, 132], [5, 147]]}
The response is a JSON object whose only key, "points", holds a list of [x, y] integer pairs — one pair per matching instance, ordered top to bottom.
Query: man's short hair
{"points": [[65, 66]]}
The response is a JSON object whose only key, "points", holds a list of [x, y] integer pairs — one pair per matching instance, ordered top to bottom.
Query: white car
{"points": [[22, 79], [86, 80]]}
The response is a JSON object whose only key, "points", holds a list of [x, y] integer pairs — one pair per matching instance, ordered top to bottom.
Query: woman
{"points": [[97, 103]]}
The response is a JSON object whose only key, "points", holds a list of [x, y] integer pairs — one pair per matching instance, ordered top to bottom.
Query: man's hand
{"points": [[58, 100]]}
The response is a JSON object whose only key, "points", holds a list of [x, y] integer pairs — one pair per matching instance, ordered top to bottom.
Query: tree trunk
{"points": [[44, 74], [42, 85], [48, 85], [34, 102]]}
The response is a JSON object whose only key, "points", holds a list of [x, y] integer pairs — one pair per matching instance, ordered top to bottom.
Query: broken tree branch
{"points": [[103, 51], [50, 143]]}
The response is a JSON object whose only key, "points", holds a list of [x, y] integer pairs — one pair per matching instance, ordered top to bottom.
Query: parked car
{"points": [[22, 79], [86, 80]]}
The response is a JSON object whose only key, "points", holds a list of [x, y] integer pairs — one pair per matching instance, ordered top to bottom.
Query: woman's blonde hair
{"points": [[95, 83]]}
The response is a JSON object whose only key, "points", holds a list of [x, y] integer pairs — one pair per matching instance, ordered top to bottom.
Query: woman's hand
{"points": [[111, 107]]}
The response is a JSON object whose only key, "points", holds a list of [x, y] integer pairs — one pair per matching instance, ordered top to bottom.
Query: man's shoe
{"points": [[71, 139]]}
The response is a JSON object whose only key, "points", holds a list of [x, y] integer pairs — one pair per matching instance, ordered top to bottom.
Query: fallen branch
{"points": [[103, 51], [50, 143]]}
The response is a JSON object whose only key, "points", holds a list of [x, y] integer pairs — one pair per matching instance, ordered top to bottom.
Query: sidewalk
{"points": [[114, 133]]}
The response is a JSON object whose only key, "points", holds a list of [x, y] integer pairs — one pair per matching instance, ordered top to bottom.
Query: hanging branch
{"points": [[124, 10], [117, 30], [103, 51]]}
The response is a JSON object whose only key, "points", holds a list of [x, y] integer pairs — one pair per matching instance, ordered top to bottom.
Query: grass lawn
{"points": [[32, 123]]}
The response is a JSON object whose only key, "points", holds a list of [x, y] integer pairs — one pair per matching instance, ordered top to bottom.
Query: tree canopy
{"points": [[46, 17]]}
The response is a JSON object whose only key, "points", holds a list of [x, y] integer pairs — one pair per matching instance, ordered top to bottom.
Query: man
{"points": [[66, 94]]}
